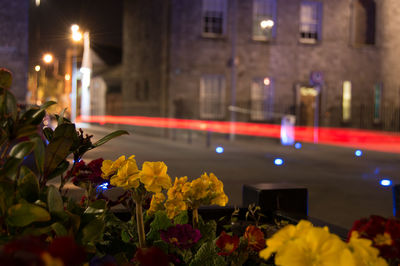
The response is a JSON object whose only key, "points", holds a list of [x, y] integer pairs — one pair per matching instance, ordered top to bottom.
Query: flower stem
{"points": [[195, 218], [140, 224]]}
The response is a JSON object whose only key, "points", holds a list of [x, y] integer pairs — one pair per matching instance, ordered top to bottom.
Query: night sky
{"points": [[49, 25]]}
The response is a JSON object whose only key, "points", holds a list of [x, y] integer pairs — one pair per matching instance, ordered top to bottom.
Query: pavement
{"points": [[341, 187]]}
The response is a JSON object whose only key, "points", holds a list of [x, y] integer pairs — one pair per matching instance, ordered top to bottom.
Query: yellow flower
{"points": [[110, 168], [127, 176], [154, 176], [216, 184], [198, 188], [175, 192], [220, 200], [156, 202], [174, 207], [280, 238], [383, 239], [316, 247], [360, 252]]}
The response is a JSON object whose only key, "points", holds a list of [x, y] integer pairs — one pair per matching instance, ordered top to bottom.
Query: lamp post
{"points": [[76, 38], [35, 93]]}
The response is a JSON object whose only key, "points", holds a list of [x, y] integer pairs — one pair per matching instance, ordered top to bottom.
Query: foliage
{"points": [[41, 225]]}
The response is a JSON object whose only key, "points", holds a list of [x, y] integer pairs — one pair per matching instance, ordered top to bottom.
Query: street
{"points": [[341, 186]]}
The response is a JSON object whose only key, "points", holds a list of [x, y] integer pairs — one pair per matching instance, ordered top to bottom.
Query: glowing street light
{"points": [[74, 27], [77, 36], [48, 58], [37, 68], [67, 77]]}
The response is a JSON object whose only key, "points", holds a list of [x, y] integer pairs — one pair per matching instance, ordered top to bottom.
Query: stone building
{"points": [[14, 43], [331, 63]]}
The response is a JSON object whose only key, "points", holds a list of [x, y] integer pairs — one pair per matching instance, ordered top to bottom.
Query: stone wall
{"points": [[14, 43], [177, 48], [284, 59], [144, 63]]}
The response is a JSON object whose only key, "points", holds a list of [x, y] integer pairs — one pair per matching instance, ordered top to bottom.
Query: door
{"points": [[308, 100]]}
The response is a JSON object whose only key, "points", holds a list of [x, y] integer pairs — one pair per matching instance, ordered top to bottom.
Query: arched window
{"points": [[363, 22]]}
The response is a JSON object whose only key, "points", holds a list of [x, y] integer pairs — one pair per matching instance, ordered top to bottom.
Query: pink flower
{"points": [[182, 236]]}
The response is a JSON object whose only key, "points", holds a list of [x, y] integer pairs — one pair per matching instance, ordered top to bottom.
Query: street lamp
{"points": [[76, 37], [48, 58]]}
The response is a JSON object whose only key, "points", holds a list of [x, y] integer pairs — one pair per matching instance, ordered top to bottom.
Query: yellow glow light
{"points": [[267, 24], [74, 28], [76, 36], [48, 58], [37, 68], [67, 77], [267, 81]]}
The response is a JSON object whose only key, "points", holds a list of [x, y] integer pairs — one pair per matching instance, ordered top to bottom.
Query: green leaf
{"points": [[5, 78], [8, 104], [47, 105], [60, 119], [26, 131], [48, 133], [110, 137], [59, 147], [22, 149], [39, 153], [10, 168], [60, 169], [28, 185], [6, 196], [54, 200], [96, 207], [23, 214], [181, 218], [160, 222], [59, 229], [208, 230], [37, 231], [93, 232], [162, 245], [207, 255]]}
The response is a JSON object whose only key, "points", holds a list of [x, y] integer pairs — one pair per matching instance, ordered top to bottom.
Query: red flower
{"points": [[83, 173], [384, 233], [254, 237], [227, 244], [63, 248], [151, 257]]}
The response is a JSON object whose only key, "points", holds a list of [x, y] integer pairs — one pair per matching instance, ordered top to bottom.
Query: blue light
{"points": [[297, 145], [219, 149], [358, 153], [278, 161], [385, 182], [102, 187]]}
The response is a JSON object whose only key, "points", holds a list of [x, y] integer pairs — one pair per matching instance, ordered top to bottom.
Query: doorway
{"points": [[307, 101]]}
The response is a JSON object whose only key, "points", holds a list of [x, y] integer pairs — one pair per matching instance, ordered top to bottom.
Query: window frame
{"points": [[318, 8], [224, 10], [272, 15], [207, 93], [267, 99]]}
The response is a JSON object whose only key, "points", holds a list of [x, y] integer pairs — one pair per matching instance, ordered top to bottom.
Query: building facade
{"points": [[14, 43], [330, 63]]}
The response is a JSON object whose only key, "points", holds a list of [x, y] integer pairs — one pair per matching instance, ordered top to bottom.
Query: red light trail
{"points": [[352, 138]]}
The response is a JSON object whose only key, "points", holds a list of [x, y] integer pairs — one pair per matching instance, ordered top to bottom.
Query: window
{"points": [[214, 17], [264, 17], [310, 22], [363, 22], [261, 96], [212, 97], [346, 101]]}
